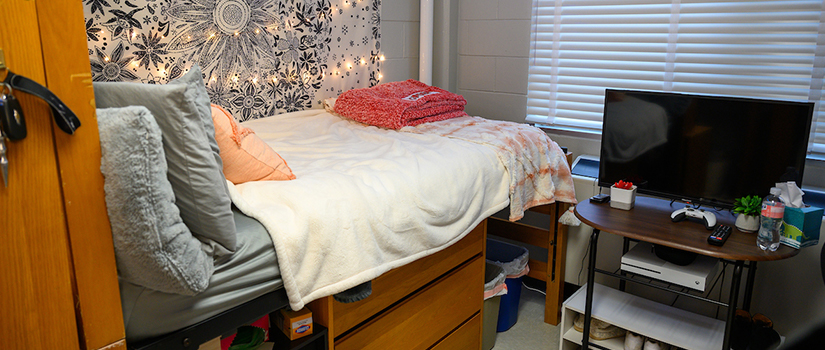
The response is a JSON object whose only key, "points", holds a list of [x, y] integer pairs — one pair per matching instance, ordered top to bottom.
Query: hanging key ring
{"points": [[3, 87]]}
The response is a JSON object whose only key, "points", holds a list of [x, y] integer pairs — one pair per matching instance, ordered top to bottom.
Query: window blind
{"points": [[761, 49]]}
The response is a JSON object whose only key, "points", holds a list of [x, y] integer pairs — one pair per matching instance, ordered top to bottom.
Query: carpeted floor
{"points": [[530, 332]]}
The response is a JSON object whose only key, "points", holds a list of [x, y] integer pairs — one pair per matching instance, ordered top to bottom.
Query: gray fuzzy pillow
{"points": [[181, 110], [153, 247]]}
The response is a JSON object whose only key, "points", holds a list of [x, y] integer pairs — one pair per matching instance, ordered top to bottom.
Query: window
{"points": [[763, 49]]}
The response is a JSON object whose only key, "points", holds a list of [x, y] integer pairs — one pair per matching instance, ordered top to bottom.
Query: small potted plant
{"points": [[622, 195], [748, 208]]}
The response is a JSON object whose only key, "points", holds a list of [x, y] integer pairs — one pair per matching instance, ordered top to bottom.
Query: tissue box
{"points": [[801, 227], [294, 324]]}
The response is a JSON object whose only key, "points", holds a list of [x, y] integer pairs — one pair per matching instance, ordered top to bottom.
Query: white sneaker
{"points": [[600, 330], [633, 341], [653, 344]]}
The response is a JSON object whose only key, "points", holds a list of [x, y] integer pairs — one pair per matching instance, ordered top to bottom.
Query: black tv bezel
{"points": [[694, 200]]}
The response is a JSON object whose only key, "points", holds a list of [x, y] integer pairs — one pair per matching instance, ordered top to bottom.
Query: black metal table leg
{"points": [[625, 249], [591, 281], [732, 302], [746, 302]]}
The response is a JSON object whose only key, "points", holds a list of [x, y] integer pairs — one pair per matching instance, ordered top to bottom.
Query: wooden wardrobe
{"points": [[58, 281]]}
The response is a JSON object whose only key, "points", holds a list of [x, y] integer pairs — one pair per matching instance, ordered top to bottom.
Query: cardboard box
{"points": [[801, 227], [295, 324], [214, 344], [266, 346]]}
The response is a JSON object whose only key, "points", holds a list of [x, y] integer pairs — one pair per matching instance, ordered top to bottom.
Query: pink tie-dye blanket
{"points": [[538, 168]]}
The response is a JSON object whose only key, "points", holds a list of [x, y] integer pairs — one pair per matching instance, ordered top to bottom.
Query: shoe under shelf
{"points": [[665, 323]]}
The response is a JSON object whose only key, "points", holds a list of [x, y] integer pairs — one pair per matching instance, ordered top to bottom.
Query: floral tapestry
{"points": [[259, 57]]}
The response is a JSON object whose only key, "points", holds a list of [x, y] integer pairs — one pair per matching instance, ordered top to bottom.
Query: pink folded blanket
{"points": [[399, 104]]}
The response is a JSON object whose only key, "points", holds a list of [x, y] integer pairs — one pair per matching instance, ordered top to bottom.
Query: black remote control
{"points": [[719, 235]]}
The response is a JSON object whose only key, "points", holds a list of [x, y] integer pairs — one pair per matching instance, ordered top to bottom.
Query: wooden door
{"points": [[58, 284]]}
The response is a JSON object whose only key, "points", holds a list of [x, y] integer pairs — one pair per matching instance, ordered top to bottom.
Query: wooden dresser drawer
{"points": [[400, 282], [425, 317], [466, 337]]}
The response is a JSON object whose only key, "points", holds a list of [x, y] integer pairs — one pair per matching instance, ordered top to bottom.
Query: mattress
{"points": [[366, 199], [249, 273]]}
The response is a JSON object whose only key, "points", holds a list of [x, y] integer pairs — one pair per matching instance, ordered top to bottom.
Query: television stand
{"points": [[707, 218], [647, 222]]}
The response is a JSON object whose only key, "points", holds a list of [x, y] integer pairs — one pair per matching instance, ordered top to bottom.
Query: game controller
{"points": [[708, 218]]}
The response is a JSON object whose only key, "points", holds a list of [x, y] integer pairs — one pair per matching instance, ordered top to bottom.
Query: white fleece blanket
{"points": [[366, 200]]}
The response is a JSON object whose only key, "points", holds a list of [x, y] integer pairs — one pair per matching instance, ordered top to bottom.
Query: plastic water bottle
{"points": [[770, 222]]}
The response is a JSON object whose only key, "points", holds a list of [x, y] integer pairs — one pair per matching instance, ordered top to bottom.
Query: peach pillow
{"points": [[245, 156]]}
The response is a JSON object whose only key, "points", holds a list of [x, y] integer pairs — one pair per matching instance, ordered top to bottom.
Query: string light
{"points": [[273, 27]]}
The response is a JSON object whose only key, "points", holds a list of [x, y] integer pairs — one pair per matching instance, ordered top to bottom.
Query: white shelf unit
{"points": [[658, 321]]}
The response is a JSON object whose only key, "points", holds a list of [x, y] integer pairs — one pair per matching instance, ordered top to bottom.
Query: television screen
{"points": [[705, 150]]}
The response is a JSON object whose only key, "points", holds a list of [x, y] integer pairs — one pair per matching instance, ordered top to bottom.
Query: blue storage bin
{"points": [[513, 259]]}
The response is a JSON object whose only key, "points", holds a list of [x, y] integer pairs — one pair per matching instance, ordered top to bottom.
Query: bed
{"points": [[402, 210], [397, 217], [398, 294]]}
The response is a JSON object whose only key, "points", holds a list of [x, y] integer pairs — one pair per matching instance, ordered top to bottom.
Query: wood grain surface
{"points": [[68, 75], [650, 221], [35, 279], [59, 282]]}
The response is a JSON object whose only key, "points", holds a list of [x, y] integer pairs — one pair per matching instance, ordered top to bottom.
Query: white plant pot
{"points": [[621, 198], [747, 223]]}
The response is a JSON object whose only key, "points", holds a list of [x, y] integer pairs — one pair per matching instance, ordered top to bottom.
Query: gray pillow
{"points": [[196, 92], [194, 165], [153, 247]]}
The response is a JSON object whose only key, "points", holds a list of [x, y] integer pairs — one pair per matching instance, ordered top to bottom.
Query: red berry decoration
{"points": [[625, 185]]}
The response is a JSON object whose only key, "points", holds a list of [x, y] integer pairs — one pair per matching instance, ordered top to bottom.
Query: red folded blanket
{"points": [[399, 104]]}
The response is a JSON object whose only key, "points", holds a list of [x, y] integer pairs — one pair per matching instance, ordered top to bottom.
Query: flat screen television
{"points": [[704, 150]]}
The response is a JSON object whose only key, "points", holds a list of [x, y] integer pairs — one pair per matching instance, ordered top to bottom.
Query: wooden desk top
{"points": [[649, 221]]}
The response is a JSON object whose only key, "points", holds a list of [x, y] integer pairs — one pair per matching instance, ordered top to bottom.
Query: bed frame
{"points": [[554, 239], [435, 302]]}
